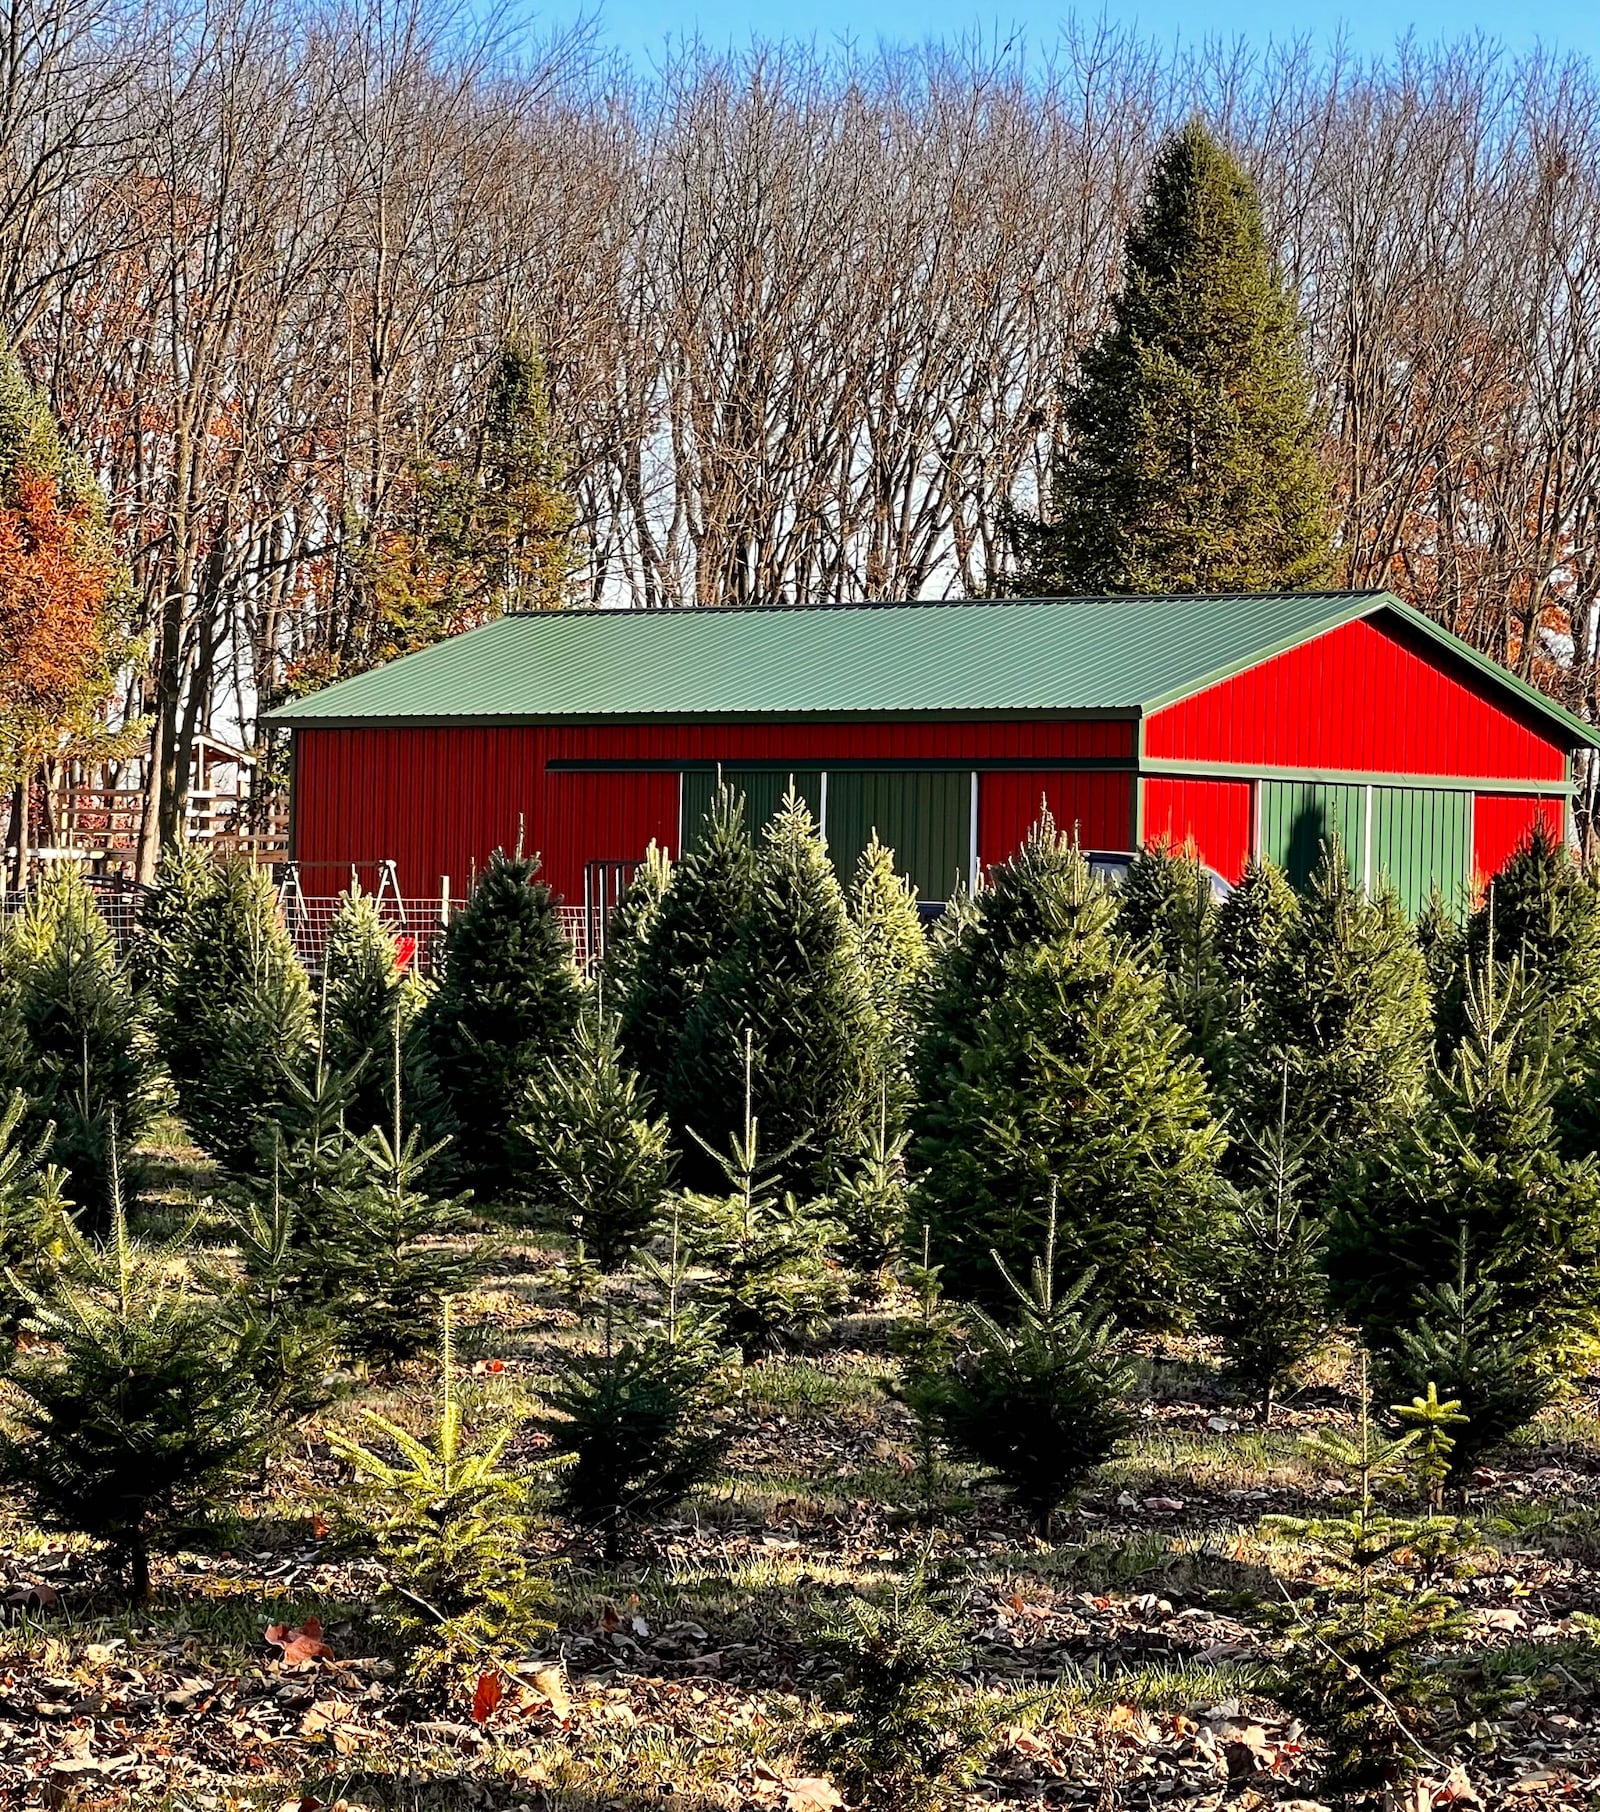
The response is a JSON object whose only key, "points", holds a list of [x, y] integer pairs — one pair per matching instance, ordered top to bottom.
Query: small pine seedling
{"points": [[765, 1252], [1040, 1404], [1435, 1425], [450, 1525], [1358, 1655], [908, 1741]]}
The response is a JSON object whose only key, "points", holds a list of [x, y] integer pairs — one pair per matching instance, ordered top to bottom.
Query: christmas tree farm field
{"points": [[832, 1594]]}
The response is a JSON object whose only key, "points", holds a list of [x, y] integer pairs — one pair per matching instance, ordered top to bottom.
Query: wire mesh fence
{"points": [[418, 925]]}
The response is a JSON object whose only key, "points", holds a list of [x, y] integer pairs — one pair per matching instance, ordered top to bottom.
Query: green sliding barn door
{"points": [[763, 790], [1299, 816], [925, 818], [1419, 838], [1422, 839]]}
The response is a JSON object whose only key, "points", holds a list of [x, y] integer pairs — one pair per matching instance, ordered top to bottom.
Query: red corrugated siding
{"points": [[1358, 699], [814, 745], [437, 801], [1098, 806], [1213, 814], [604, 818], [1501, 821]]}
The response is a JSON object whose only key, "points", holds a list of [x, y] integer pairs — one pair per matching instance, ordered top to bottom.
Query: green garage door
{"points": [[763, 790], [1299, 816], [925, 818], [1420, 838]]}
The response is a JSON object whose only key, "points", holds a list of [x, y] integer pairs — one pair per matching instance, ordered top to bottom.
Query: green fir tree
{"points": [[1191, 461], [1041, 892], [1168, 912], [630, 926], [696, 926], [1250, 927], [894, 954], [793, 988], [366, 989], [509, 998], [1344, 998], [234, 1015], [84, 1063], [1076, 1088], [602, 1160], [1480, 1162], [872, 1198], [32, 1207], [765, 1252], [1266, 1299], [1463, 1341], [1039, 1401], [139, 1416], [640, 1418], [451, 1525], [1360, 1649], [910, 1741]]}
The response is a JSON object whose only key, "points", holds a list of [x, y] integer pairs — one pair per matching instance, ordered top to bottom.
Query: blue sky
{"points": [[639, 28]]}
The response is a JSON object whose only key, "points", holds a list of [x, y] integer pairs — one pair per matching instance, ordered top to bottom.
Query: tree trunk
{"points": [[19, 824], [139, 1570]]}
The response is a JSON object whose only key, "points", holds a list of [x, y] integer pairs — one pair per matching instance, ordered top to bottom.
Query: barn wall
{"points": [[1359, 699], [814, 745], [439, 800], [434, 801], [1098, 807], [1215, 815], [1501, 821]]}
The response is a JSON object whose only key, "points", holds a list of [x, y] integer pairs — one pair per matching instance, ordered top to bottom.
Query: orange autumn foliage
{"points": [[56, 577]]}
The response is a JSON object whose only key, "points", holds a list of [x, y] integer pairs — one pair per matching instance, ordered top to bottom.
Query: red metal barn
{"points": [[1245, 724]]}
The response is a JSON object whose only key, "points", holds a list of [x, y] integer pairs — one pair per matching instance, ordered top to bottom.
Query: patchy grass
{"points": [[1123, 1664]]}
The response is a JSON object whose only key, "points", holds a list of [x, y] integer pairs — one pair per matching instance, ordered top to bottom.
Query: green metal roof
{"points": [[1049, 655]]}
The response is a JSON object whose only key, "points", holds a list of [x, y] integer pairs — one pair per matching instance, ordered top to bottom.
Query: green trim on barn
{"points": [[1230, 770]]}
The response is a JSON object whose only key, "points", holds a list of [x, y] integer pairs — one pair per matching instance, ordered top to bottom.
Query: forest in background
{"points": [[790, 325]]}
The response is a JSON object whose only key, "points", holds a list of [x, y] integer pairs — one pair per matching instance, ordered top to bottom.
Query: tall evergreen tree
{"points": [[1191, 460], [523, 516], [1041, 891], [636, 912], [1168, 912], [698, 921], [1251, 924], [894, 947], [794, 982], [366, 994], [1344, 997], [508, 999], [233, 1019], [84, 1064], [1075, 1097], [1480, 1163]]}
